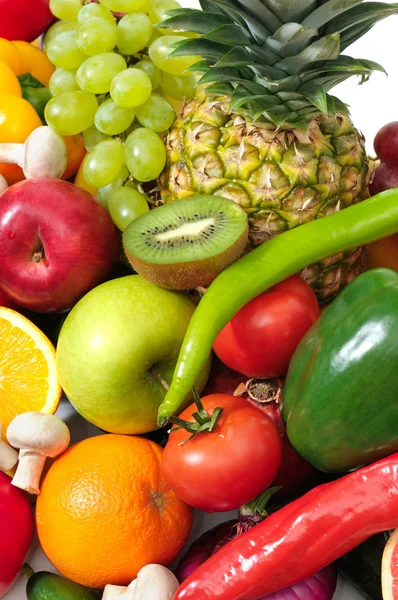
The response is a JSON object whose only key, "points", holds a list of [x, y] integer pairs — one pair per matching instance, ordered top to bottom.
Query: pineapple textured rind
{"points": [[263, 128], [281, 178]]}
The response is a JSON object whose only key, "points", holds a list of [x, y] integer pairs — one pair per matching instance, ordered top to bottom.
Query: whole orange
{"points": [[76, 152], [105, 511]]}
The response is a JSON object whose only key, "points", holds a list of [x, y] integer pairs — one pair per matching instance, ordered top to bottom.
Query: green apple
{"points": [[117, 352]]}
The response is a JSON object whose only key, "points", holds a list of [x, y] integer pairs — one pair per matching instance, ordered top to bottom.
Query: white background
{"points": [[372, 105]]}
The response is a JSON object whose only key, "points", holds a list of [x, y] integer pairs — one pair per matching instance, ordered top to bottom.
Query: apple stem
{"points": [[12, 153], [38, 255], [160, 378]]}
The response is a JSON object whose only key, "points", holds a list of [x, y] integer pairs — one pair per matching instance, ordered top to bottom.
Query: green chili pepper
{"points": [[267, 265]]}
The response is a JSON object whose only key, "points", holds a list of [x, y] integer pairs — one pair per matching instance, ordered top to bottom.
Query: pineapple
{"points": [[263, 129]]}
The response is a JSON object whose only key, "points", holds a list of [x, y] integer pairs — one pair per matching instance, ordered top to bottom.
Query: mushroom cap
{"points": [[45, 154], [3, 184], [39, 432], [8, 457], [155, 581]]}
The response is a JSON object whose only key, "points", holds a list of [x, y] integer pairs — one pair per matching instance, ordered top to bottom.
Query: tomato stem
{"points": [[203, 420], [257, 507]]}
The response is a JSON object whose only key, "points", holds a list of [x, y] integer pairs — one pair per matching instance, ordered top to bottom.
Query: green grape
{"points": [[127, 6], [159, 8], [66, 9], [95, 10], [56, 29], [133, 33], [156, 34], [96, 36], [64, 52], [159, 52], [151, 70], [96, 73], [62, 80], [178, 87], [131, 88], [70, 113], [156, 113], [112, 119], [92, 137], [145, 154], [103, 163], [104, 193], [125, 205]]}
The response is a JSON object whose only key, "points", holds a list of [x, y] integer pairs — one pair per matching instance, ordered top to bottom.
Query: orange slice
{"points": [[28, 375], [389, 568]]}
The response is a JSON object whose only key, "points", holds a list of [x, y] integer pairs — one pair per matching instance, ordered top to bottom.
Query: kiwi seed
{"points": [[187, 243]]}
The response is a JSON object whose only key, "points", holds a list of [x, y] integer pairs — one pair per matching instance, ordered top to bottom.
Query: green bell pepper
{"points": [[340, 399]]}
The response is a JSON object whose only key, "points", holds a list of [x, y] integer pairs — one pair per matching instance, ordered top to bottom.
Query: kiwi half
{"points": [[187, 243]]}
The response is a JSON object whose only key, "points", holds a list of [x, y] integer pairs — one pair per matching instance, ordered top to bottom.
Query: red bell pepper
{"points": [[24, 19], [16, 532], [301, 538]]}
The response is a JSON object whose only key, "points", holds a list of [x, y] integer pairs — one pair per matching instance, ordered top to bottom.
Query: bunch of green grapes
{"points": [[113, 76]]}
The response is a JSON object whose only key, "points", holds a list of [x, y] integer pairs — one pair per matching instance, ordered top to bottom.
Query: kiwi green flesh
{"points": [[185, 231], [189, 275]]}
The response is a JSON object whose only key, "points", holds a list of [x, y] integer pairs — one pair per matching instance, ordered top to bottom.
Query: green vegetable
{"points": [[35, 93], [270, 263], [339, 400], [362, 566], [48, 586]]}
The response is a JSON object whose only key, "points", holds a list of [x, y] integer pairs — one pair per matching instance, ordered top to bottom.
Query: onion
{"points": [[320, 586]]}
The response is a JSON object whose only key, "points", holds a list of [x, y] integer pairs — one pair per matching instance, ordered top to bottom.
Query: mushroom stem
{"points": [[12, 154], [43, 154], [37, 435], [29, 470]]}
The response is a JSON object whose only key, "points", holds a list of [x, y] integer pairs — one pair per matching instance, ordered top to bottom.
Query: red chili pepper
{"points": [[16, 532], [301, 538]]}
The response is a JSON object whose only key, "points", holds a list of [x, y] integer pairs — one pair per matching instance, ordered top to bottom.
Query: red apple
{"points": [[56, 244], [5, 301]]}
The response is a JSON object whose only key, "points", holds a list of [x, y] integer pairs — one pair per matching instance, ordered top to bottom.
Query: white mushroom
{"points": [[43, 154], [3, 184], [37, 435], [8, 456], [154, 582]]}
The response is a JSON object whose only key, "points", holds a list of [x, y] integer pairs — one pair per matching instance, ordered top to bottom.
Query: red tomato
{"points": [[24, 19], [262, 337], [228, 467], [16, 532]]}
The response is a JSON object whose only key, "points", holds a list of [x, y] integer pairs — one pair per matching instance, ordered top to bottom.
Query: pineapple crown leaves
{"points": [[277, 59]]}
